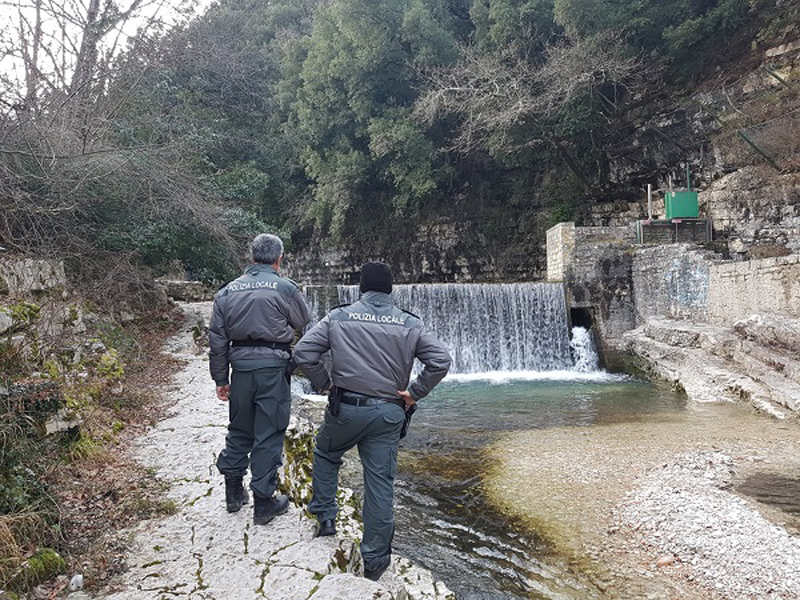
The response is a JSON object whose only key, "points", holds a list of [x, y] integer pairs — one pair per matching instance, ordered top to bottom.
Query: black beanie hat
{"points": [[376, 277]]}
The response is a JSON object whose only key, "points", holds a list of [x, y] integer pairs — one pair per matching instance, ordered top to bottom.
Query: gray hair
{"points": [[266, 248]]}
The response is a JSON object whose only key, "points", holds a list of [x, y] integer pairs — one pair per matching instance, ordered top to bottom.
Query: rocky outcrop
{"points": [[758, 210], [426, 251], [23, 276], [186, 290], [713, 363]]}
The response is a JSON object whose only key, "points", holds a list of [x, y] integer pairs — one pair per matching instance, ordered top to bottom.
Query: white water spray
{"points": [[584, 353]]}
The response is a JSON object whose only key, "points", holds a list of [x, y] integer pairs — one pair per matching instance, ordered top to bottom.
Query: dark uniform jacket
{"points": [[259, 305], [373, 344]]}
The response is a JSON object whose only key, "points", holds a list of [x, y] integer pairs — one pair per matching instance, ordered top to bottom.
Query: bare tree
{"points": [[66, 46], [495, 95], [56, 104]]}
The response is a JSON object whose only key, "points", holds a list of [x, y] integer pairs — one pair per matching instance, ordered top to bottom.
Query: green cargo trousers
{"points": [[259, 404], [376, 432]]}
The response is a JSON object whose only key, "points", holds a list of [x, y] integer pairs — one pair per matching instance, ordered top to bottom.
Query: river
{"points": [[505, 485]]}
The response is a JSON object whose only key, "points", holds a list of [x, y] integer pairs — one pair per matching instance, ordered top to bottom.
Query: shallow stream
{"points": [[490, 535]]}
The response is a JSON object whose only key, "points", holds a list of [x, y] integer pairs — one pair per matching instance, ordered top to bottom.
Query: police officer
{"points": [[253, 322], [373, 344]]}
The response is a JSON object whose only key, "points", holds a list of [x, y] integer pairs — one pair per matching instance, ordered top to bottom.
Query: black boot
{"points": [[235, 494], [266, 509], [326, 527], [377, 567]]}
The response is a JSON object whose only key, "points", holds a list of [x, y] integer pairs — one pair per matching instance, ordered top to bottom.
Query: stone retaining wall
{"points": [[560, 250], [595, 265], [672, 281], [623, 284], [738, 290]]}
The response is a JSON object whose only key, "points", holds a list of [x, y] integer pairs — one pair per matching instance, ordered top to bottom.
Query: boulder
{"points": [[23, 276]]}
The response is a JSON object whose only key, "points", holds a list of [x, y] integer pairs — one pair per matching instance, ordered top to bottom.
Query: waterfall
{"points": [[485, 327], [584, 353]]}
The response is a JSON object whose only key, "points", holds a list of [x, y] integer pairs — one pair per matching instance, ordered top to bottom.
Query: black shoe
{"points": [[235, 494], [266, 509], [326, 528], [379, 566]]}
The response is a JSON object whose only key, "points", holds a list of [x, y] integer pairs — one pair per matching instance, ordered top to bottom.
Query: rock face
{"points": [[758, 209], [442, 250], [22, 276], [186, 291], [202, 551]]}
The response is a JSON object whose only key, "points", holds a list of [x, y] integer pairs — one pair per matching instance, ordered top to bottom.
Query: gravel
{"points": [[686, 510]]}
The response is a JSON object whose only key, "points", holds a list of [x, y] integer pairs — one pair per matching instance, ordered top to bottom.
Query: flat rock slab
{"points": [[204, 552]]}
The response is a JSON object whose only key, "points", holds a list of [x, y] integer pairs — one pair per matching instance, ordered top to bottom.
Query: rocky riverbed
{"points": [[659, 509], [202, 551]]}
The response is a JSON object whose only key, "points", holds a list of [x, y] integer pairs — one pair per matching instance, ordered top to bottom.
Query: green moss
{"points": [[25, 312], [110, 366], [50, 367], [83, 395], [83, 447], [296, 483], [206, 495], [353, 502], [148, 508], [152, 564], [43, 565]]}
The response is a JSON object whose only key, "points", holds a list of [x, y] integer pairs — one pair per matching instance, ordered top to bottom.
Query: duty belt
{"points": [[285, 346], [361, 400]]}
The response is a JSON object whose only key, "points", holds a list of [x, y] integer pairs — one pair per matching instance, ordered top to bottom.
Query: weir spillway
{"points": [[485, 327]]}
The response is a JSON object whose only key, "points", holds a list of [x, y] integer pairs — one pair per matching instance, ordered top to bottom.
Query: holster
{"points": [[290, 368], [334, 400], [409, 412]]}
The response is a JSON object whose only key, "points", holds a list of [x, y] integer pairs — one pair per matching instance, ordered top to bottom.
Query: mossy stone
{"points": [[45, 564]]}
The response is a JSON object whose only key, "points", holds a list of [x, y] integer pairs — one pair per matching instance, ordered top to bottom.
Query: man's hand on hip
{"points": [[223, 391], [406, 396]]}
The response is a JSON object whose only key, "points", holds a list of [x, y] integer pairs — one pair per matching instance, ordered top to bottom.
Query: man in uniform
{"points": [[252, 325], [373, 344]]}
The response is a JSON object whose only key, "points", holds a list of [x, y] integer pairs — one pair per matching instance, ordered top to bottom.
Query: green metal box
{"points": [[681, 204]]}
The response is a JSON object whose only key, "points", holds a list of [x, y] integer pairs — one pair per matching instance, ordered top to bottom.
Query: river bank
{"points": [[625, 505]]}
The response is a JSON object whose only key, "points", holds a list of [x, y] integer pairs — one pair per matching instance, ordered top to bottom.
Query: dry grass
{"points": [[104, 491], [19, 535]]}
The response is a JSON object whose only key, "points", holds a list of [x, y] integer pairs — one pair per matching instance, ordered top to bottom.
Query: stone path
{"points": [[203, 552]]}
